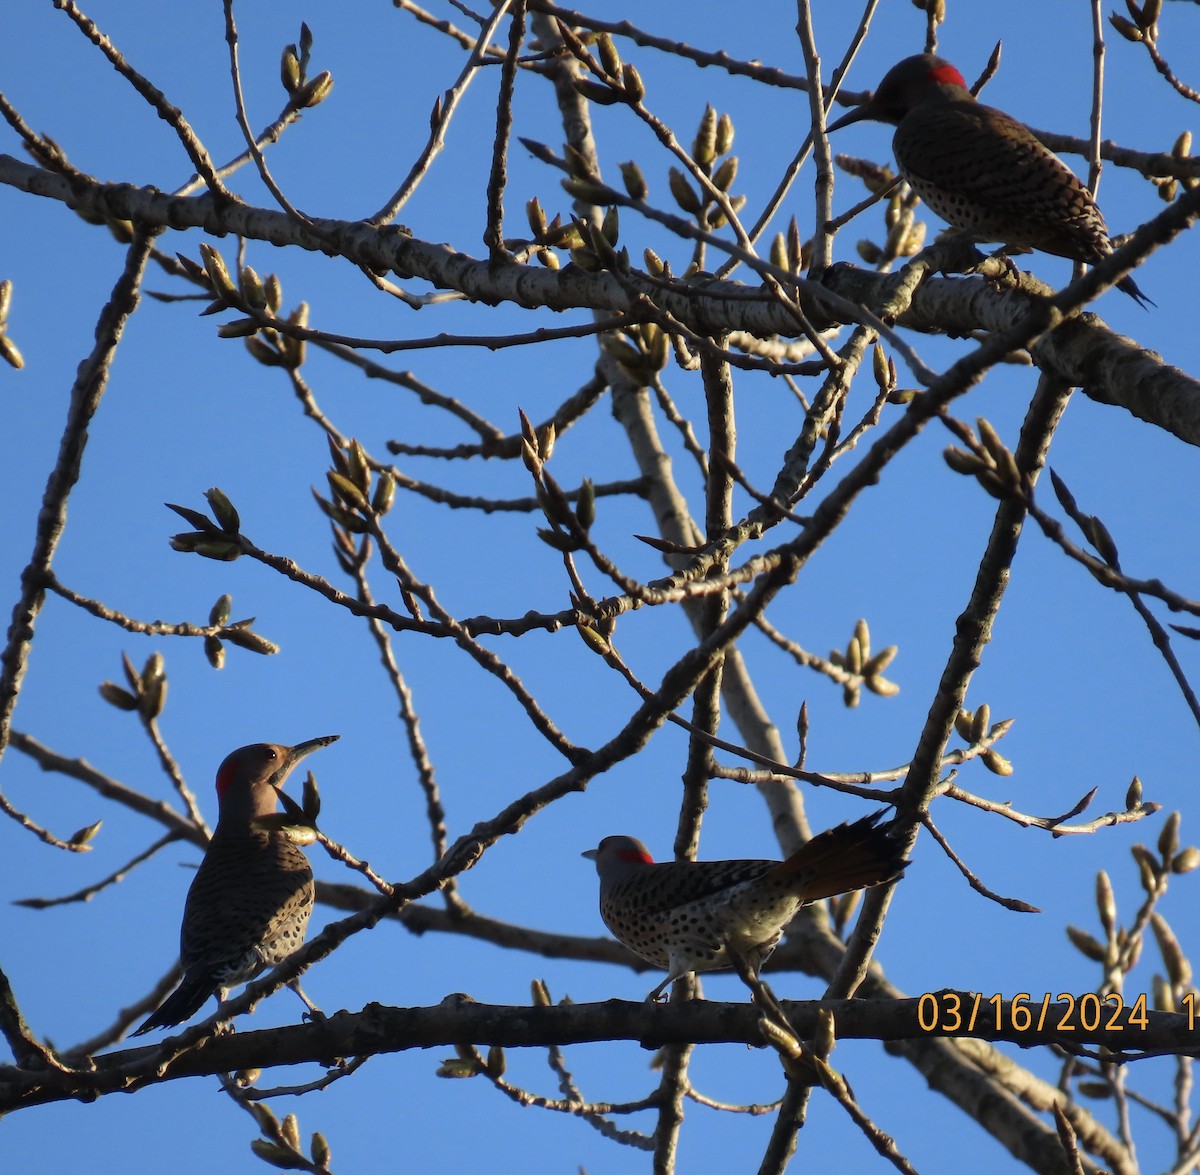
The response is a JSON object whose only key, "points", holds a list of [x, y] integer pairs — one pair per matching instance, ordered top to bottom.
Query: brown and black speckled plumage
{"points": [[982, 171], [249, 903], [686, 916]]}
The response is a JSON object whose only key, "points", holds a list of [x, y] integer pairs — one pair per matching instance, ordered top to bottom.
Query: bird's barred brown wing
{"points": [[985, 172], [659, 888], [251, 894]]}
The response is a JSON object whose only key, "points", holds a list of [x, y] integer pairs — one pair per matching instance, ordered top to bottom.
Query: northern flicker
{"points": [[981, 170], [248, 905], [688, 915]]}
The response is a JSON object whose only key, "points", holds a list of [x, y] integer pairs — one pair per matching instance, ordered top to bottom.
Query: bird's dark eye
{"points": [[271, 753]]}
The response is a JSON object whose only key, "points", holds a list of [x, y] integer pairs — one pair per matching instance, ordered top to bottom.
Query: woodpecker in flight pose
{"points": [[982, 171], [248, 905], [688, 916]]}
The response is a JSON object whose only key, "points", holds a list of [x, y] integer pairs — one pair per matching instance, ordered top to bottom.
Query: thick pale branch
{"points": [[1082, 351]]}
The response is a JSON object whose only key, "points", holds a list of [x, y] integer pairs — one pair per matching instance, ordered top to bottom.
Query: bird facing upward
{"points": [[982, 171], [249, 903], [688, 915]]}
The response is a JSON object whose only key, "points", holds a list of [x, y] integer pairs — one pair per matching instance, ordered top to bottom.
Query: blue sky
{"points": [[1093, 702]]}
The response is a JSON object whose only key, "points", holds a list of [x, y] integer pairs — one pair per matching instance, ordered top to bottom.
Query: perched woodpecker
{"points": [[981, 170], [248, 905], [688, 915]]}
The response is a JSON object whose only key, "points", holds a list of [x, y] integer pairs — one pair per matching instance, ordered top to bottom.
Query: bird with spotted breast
{"points": [[983, 172], [249, 903], [687, 916]]}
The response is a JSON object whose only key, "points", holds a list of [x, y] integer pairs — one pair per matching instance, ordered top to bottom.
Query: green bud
{"points": [[1127, 29], [609, 57], [289, 69], [634, 87], [315, 92], [596, 92], [724, 134], [704, 149], [724, 176], [635, 182], [588, 191], [683, 192], [536, 218], [611, 226], [870, 252], [218, 275], [253, 289], [238, 328], [263, 352], [10, 353], [961, 461], [359, 469], [347, 491], [385, 493], [585, 508], [223, 511], [342, 518], [559, 540], [186, 541], [218, 549], [221, 611], [245, 639], [594, 640], [214, 650], [881, 660], [880, 685], [114, 695], [154, 697], [981, 723], [996, 763], [311, 800], [81, 838], [1168, 838], [1186, 861], [1148, 867], [1106, 903], [1085, 944], [1179, 969], [1164, 998], [496, 1062], [456, 1067], [320, 1150], [272, 1153]]}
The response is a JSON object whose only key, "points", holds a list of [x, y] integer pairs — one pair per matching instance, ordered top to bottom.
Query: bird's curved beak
{"points": [[856, 115], [296, 753]]}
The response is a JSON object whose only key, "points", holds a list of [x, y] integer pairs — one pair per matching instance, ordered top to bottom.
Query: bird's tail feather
{"points": [[1128, 286], [848, 857], [182, 1003]]}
